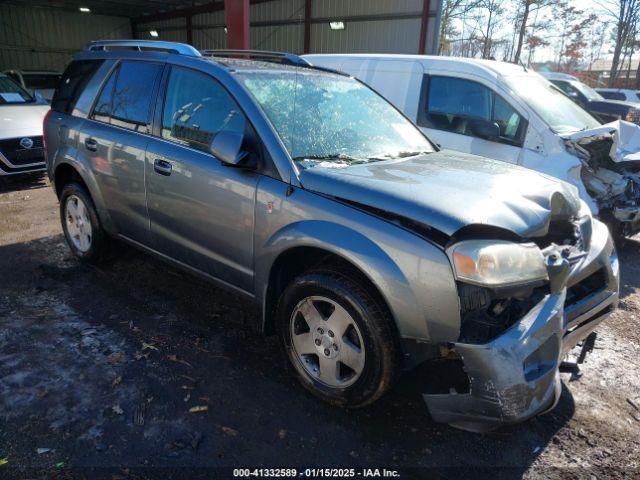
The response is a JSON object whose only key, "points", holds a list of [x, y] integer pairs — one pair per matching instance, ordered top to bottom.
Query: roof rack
{"points": [[142, 45], [276, 57]]}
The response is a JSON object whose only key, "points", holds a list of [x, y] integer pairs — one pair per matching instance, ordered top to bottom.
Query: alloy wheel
{"points": [[78, 223], [327, 342]]}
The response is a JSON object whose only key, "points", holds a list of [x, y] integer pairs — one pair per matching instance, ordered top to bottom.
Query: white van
{"points": [[504, 111]]}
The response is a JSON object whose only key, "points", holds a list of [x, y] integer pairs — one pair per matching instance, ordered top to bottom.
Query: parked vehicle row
{"points": [[36, 82], [624, 94], [606, 109], [506, 112], [21, 115], [367, 247]]}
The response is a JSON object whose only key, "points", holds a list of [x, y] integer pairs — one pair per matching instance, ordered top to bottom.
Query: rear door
{"points": [[448, 104], [63, 125], [114, 138], [201, 211]]}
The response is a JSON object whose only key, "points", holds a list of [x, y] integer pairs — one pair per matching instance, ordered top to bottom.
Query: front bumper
{"points": [[17, 160], [516, 375]]}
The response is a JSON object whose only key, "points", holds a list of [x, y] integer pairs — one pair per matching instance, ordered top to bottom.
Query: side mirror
{"points": [[575, 97], [482, 128], [226, 146]]}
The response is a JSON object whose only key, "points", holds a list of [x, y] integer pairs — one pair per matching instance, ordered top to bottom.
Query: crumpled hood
{"points": [[22, 120], [625, 136], [448, 190]]}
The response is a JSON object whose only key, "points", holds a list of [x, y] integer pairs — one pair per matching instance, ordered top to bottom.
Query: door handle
{"points": [[91, 144], [162, 167]]}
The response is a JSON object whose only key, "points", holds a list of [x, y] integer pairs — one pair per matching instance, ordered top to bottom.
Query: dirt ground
{"points": [[99, 368]]}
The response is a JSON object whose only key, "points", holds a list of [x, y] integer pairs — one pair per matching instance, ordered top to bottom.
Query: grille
{"points": [[18, 155], [592, 284]]}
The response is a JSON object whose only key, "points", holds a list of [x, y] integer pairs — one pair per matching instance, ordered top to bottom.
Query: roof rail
{"points": [[142, 45], [276, 57]]}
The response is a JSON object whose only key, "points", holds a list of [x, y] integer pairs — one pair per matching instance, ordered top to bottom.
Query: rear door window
{"points": [[72, 83], [132, 95], [126, 98], [452, 102]]}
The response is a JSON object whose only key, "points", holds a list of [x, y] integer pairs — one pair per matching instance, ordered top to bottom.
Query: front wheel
{"points": [[339, 339]]}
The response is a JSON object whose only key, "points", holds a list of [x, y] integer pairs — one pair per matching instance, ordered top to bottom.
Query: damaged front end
{"points": [[610, 157], [512, 339]]}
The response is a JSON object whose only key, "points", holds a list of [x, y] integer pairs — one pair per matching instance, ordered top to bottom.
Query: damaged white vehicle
{"points": [[503, 111], [610, 157]]}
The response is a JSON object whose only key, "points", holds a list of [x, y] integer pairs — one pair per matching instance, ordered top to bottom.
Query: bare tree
{"points": [[527, 8], [452, 10], [494, 10], [624, 14], [482, 22], [569, 25], [533, 42], [595, 43], [575, 48]]}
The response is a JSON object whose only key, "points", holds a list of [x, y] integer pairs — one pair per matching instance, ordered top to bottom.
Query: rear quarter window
{"points": [[73, 81]]}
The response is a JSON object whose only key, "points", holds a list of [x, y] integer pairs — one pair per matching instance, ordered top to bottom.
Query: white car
{"points": [[36, 81], [623, 94], [504, 111], [21, 117]]}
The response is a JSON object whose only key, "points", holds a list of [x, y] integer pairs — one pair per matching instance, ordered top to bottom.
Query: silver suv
{"points": [[368, 249]]}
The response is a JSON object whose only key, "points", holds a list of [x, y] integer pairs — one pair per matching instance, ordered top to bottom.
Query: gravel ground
{"points": [[100, 367]]}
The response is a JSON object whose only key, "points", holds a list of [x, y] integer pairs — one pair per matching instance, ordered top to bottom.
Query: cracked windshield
{"points": [[333, 121]]}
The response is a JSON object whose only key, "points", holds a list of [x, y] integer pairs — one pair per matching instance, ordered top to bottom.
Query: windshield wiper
{"points": [[400, 154], [331, 157]]}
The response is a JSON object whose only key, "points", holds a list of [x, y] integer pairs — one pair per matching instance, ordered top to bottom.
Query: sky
{"points": [[550, 52]]}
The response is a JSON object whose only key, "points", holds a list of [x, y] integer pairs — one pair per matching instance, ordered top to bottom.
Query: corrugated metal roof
{"points": [[37, 38]]}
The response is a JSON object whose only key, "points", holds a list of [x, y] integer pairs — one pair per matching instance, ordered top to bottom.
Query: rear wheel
{"points": [[81, 225], [338, 338]]}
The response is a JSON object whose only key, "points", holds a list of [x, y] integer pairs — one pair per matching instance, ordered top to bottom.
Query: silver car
{"points": [[369, 250]]}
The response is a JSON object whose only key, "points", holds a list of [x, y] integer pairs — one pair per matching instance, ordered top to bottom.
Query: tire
{"points": [[84, 234], [366, 374]]}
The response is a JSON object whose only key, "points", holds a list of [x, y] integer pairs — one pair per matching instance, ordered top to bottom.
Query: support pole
{"points": [[426, 4], [236, 13], [188, 20], [307, 26]]}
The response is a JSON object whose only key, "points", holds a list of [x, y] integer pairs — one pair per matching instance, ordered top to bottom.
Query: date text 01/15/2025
{"points": [[316, 472]]}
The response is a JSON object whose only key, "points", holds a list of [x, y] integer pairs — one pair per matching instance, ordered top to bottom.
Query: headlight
{"points": [[497, 263]]}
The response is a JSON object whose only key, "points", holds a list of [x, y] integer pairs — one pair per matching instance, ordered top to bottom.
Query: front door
{"points": [[451, 104], [201, 211]]}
